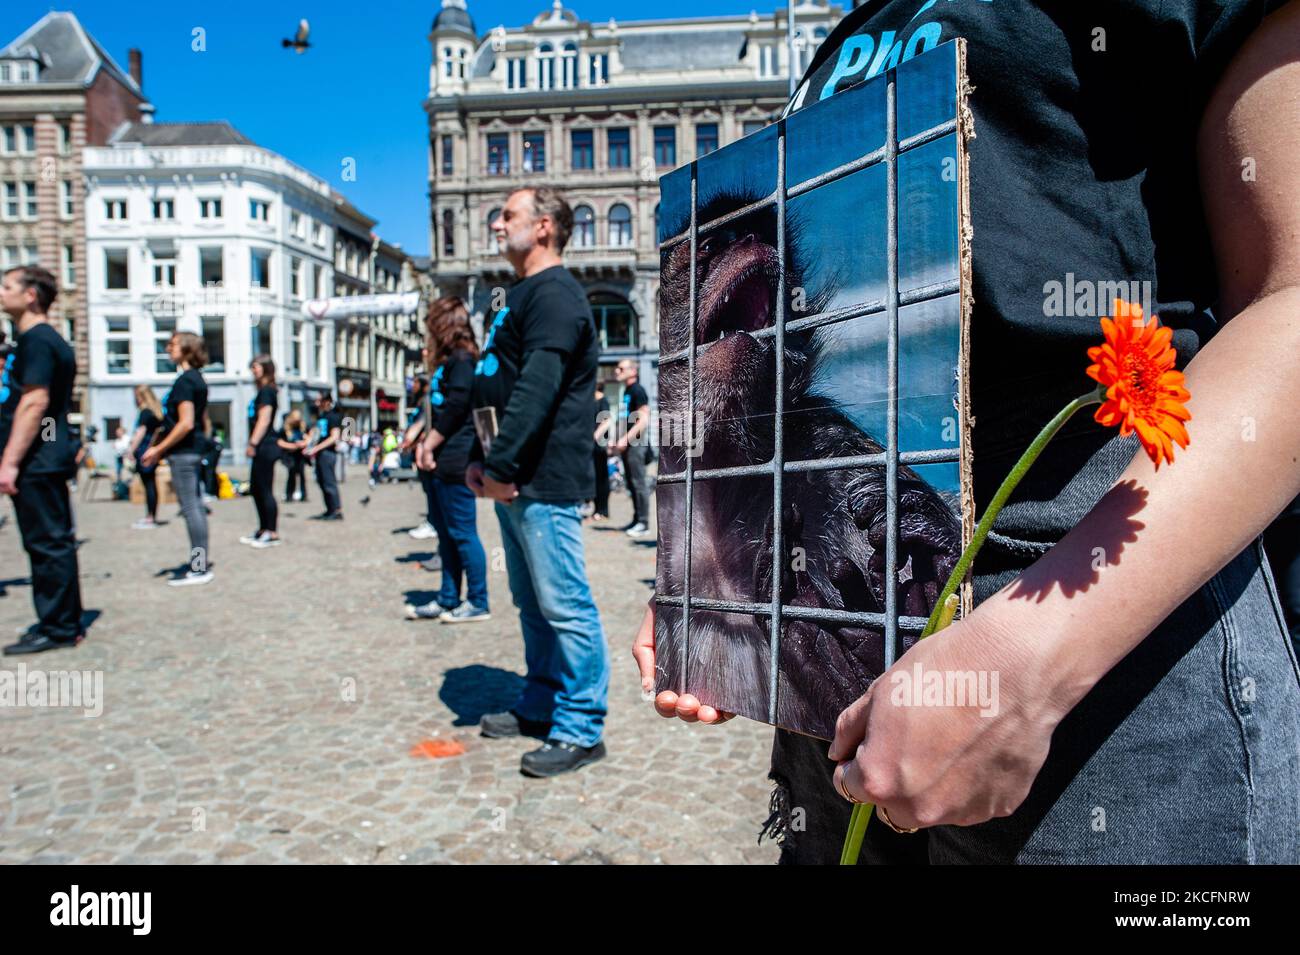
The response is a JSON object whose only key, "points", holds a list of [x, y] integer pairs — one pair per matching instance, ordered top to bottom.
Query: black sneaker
{"points": [[336, 516], [36, 642], [502, 725], [557, 757]]}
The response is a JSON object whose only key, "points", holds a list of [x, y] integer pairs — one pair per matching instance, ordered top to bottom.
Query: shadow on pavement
{"points": [[473, 691]]}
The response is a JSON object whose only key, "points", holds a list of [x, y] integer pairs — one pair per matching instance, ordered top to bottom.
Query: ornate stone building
{"points": [[600, 110]]}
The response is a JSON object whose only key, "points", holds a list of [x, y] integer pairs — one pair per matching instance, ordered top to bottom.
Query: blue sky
{"points": [[357, 92]]}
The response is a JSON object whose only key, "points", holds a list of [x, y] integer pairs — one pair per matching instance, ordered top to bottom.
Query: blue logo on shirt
{"points": [[488, 365], [4, 378], [324, 427]]}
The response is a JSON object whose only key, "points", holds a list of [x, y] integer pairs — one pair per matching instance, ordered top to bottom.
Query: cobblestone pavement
{"points": [[270, 716]]}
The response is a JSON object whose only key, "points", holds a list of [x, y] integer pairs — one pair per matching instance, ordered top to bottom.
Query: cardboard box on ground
{"points": [[166, 493]]}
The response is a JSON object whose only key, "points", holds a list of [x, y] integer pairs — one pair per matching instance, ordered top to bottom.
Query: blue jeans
{"points": [[452, 513], [564, 643]]}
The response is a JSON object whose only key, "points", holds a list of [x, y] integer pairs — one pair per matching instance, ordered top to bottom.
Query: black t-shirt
{"points": [[1082, 170], [40, 358], [538, 370], [188, 386], [450, 391], [265, 397], [634, 399], [151, 423], [325, 424]]}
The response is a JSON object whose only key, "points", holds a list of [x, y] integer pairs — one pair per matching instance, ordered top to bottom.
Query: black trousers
{"points": [[600, 461], [326, 462], [634, 464], [297, 465], [149, 479], [263, 481], [45, 521]]}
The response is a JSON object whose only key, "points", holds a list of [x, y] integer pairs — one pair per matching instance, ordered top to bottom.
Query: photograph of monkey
{"points": [[835, 403]]}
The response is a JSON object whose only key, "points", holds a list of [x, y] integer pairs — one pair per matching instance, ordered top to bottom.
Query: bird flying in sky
{"points": [[299, 41]]}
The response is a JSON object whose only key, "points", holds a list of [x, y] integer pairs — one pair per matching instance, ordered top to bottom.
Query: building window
{"points": [[461, 55], [767, 60], [446, 61], [546, 66], [569, 67], [598, 69], [4, 73], [515, 76], [752, 126], [706, 138], [65, 139], [29, 140], [582, 142], [9, 144], [665, 145], [620, 147], [534, 152], [498, 154], [448, 166], [12, 205], [68, 207], [209, 208], [30, 209], [115, 209], [164, 209], [259, 209], [492, 216], [620, 225], [296, 226], [584, 227], [448, 232], [318, 234], [31, 256], [69, 267], [260, 268], [211, 270], [116, 271], [164, 271], [295, 278], [318, 281], [615, 320], [163, 330], [262, 335], [214, 336], [117, 346], [297, 353]]}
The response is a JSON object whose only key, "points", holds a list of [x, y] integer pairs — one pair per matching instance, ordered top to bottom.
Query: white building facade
{"points": [[192, 227]]}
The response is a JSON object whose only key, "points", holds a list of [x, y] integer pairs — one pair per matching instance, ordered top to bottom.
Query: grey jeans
{"points": [[187, 470]]}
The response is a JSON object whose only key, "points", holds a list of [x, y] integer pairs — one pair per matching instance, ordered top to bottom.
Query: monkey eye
{"points": [[705, 247]]}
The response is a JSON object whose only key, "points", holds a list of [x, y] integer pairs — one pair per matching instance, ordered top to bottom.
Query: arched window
{"points": [[462, 55], [446, 61], [546, 66], [569, 66], [620, 225], [584, 228], [448, 232], [488, 241], [615, 321]]}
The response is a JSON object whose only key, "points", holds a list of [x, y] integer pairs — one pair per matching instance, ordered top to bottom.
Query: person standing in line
{"points": [[532, 393], [184, 406], [633, 420], [147, 422], [415, 426], [292, 441], [263, 451], [323, 452], [444, 456], [600, 458], [36, 462]]}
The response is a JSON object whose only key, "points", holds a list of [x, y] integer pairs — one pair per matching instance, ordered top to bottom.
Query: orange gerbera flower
{"points": [[1143, 391]]}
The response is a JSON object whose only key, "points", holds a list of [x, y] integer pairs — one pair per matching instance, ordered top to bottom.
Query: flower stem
{"points": [[944, 606]]}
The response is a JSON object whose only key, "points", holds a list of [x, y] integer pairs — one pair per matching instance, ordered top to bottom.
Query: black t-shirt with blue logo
{"points": [[40, 358], [538, 370], [450, 391], [265, 397], [325, 424]]}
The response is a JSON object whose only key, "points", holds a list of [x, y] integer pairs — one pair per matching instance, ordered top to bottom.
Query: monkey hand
{"points": [[929, 543], [668, 704], [950, 765]]}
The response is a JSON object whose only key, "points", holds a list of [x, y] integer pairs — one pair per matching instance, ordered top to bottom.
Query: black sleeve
{"points": [[38, 361], [457, 388], [184, 390], [265, 396], [530, 404]]}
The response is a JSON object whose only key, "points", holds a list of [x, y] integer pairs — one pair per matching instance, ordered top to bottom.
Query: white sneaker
{"points": [[298, 496], [144, 524], [637, 530], [424, 532], [250, 538], [265, 541], [191, 578]]}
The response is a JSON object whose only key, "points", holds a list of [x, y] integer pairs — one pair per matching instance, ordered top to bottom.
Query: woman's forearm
{"points": [[1156, 537]]}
